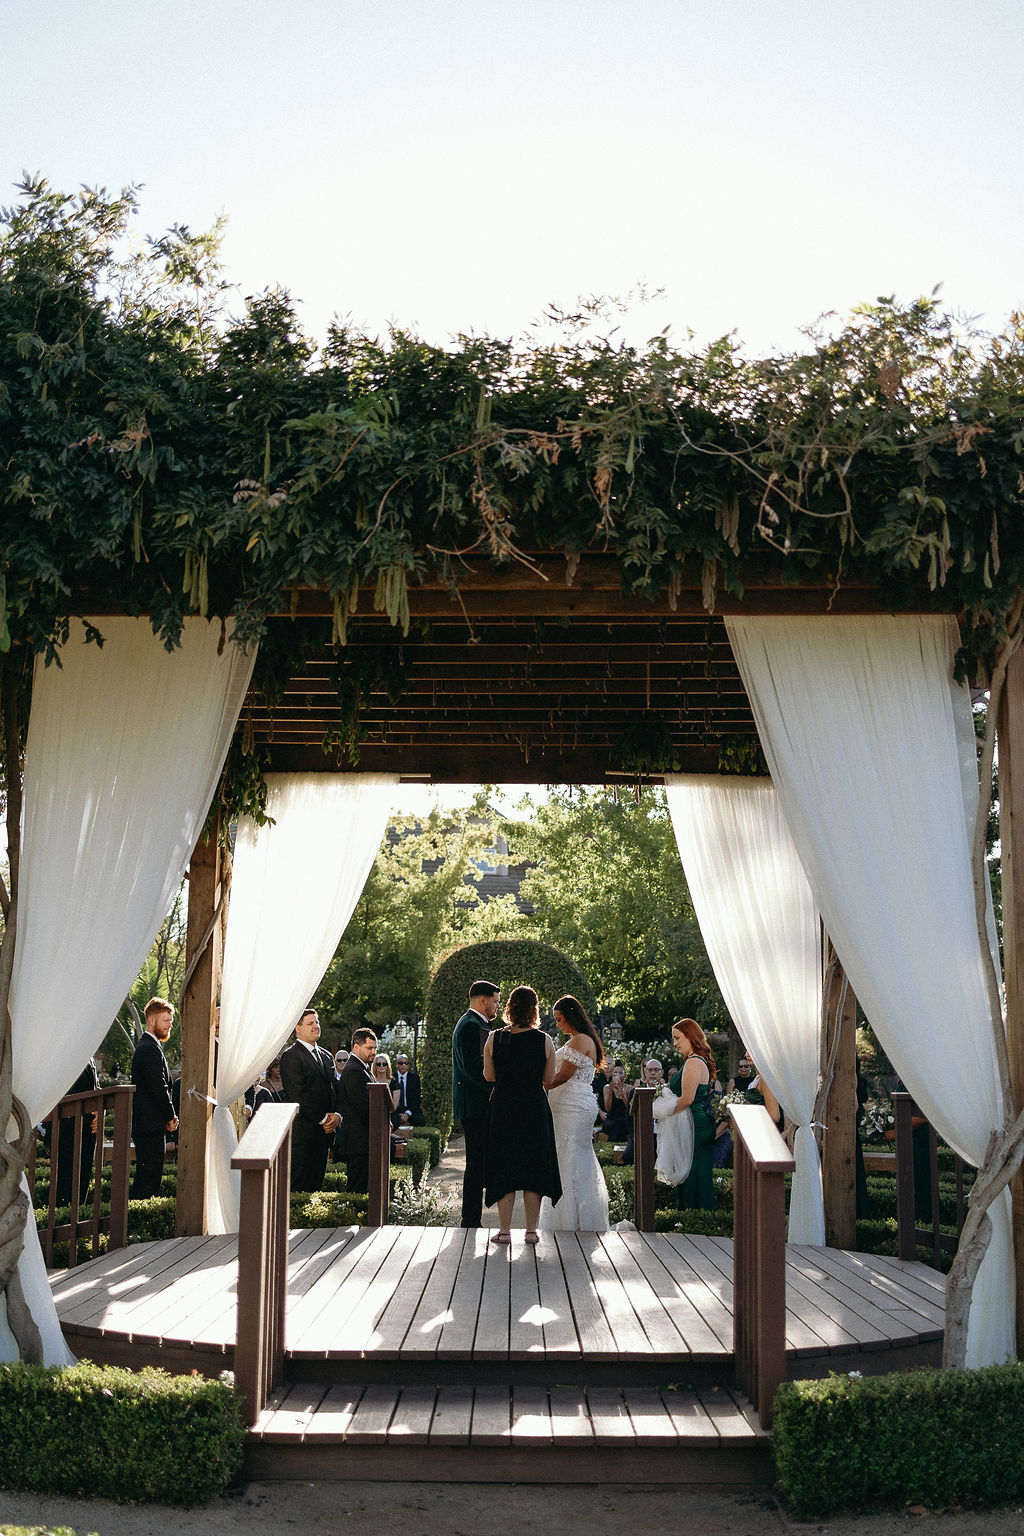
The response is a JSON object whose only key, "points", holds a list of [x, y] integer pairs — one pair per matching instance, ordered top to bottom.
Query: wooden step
{"points": [[510, 1434]]}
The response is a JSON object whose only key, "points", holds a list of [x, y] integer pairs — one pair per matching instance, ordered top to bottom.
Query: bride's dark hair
{"points": [[522, 1008], [573, 1012]]}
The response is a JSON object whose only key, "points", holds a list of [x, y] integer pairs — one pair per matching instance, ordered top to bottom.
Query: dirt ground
{"points": [[465, 1509]]}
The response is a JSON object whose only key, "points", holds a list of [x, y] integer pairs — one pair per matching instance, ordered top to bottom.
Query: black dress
{"points": [[521, 1138]]}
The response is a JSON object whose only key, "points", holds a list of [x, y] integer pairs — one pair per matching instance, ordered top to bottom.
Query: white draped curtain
{"points": [[126, 743], [870, 746], [294, 887], [763, 937]]}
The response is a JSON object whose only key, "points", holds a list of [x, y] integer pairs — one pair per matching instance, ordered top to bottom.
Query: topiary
{"points": [[508, 963]]}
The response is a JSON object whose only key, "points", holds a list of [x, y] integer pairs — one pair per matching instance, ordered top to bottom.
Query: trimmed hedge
{"points": [[508, 963], [136, 1436], [919, 1437]]}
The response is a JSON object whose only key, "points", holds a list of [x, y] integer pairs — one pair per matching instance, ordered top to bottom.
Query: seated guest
{"points": [[653, 1077], [267, 1089], [617, 1096], [409, 1106]]}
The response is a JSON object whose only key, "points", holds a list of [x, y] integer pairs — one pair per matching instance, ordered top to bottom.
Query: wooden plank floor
{"points": [[415, 1307], [503, 1434]]}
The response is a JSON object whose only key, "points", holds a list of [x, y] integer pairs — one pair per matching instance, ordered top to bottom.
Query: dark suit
{"points": [[307, 1075], [410, 1097], [471, 1103], [152, 1112], [354, 1131]]}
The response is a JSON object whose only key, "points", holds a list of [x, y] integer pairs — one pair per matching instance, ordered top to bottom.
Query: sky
{"points": [[459, 165]]}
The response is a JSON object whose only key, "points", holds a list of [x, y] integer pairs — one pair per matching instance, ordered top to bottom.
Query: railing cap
{"points": [[264, 1136], [760, 1137]]}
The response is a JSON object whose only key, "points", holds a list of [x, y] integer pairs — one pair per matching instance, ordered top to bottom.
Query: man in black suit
{"points": [[307, 1079], [471, 1093], [410, 1096], [354, 1107], [152, 1110]]}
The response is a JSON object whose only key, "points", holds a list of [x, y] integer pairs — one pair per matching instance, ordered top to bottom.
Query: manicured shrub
{"points": [[506, 962], [431, 1134], [327, 1208], [151, 1220], [701, 1223], [144, 1436], [919, 1437]]}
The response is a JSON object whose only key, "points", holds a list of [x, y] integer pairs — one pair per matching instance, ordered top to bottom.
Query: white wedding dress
{"points": [[584, 1203]]}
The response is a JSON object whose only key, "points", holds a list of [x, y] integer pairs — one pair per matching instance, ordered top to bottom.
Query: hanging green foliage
{"points": [[166, 458]]}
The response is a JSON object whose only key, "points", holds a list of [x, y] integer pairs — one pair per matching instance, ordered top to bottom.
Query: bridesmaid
{"points": [[692, 1085]]}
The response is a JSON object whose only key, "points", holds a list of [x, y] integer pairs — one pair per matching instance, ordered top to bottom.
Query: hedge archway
{"points": [[508, 963]]}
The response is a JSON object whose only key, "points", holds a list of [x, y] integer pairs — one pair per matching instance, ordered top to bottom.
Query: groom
{"points": [[471, 1093]]}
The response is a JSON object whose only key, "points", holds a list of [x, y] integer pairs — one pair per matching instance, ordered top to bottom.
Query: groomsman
{"points": [[307, 1078], [471, 1093], [410, 1097], [354, 1104], [153, 1116]]}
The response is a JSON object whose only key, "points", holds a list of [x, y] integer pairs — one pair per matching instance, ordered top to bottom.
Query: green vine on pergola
{"points": [[164, 457]]}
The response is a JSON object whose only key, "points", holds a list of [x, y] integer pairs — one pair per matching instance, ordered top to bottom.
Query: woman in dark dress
{"points": [[520, 1060], [692, 1085], [617, 1123]]}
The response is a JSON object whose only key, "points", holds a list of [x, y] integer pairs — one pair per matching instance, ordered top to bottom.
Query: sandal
{"points": [[532, 1236], [502, 1237]]}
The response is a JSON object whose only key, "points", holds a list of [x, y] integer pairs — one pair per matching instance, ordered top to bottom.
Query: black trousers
{"points": [[475, 1132], [309, 1158], [149, 1164], [357, 1172]]}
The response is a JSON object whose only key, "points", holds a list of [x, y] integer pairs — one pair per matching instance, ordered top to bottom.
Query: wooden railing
{"points": [[642, 1109], [74, 1114], [264, 1158], [761, 1161], [908, 1233]]}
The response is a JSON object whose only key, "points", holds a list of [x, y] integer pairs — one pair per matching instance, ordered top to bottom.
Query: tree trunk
{"points": [[1006, 1145], [14, 1203]]}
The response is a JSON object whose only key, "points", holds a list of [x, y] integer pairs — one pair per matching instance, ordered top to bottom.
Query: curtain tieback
{"points": [[194, 1093]]}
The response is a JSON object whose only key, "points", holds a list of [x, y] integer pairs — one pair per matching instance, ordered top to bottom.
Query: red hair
{"points": [[699, 1040]]}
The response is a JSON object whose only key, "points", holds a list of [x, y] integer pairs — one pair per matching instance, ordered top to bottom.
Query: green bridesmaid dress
{"points": [[697, 1192]]}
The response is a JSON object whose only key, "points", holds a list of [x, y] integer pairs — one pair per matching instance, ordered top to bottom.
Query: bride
{"points": [[584, 1203]]}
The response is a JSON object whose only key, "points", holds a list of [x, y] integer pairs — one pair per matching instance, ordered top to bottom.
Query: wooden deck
{"points": [[619, 1344]]}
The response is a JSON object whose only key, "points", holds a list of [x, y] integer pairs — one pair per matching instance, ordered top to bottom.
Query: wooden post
{"points": [[1010, 734], [197, 1044], [642, 1110], [839, 1142], [380, 1154], [264, 1158], [761, 1161]]}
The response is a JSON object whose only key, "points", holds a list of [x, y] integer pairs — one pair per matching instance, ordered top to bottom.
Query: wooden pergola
{"points": [[519, 677]]}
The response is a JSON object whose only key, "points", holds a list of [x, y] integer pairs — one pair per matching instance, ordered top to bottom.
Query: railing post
{"points": [[71, 1110], [642, 1110], [380, 1154], [264, 1158], [761, 1162], [120, 1165], [906, 1215]]}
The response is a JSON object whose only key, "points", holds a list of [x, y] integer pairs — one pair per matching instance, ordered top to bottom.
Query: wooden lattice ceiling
{"points": [[521, 679]]}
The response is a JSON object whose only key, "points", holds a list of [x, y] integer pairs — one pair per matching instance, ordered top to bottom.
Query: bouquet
{"points": [[738, 1096]]}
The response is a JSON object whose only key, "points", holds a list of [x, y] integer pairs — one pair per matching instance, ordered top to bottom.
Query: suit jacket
{"points": [[308, 1079], [471, 1092], [413, 1097], [151, 1104], [354, 1107]]}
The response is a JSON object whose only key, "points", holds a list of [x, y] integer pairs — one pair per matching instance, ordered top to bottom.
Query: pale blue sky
{"points": [[458, 165]]}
